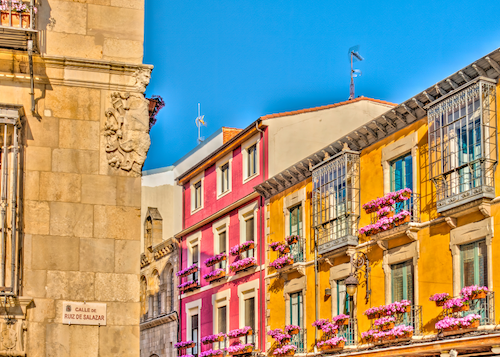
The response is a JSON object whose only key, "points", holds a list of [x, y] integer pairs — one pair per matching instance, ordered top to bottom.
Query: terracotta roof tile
{"points": [[277, 115]]}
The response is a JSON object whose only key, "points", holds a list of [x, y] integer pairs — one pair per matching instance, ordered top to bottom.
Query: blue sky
{"points": [[242, 59]]}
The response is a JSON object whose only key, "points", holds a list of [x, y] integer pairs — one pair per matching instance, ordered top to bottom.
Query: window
{"points": [[463, 144], [252, 160], [402, 173], [224, 178], [197, 195], [336, 202], [249, 235], [222, 249], [297, 249], [194, 260], [474, 264], [402, 281], [172, 291], [344, 302], [296, 309], [250, 318], [221, 325], [194, 334]]}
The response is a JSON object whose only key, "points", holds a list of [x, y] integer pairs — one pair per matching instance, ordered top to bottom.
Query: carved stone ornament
{"points": [[142, 77], [127, 132], [12, 326]]}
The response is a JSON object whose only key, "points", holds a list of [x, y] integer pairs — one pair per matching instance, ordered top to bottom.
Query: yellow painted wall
{"points": [[435, 259]]}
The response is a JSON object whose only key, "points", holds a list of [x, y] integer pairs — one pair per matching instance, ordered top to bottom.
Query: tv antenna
{"points": [[354, 56], [199, 122]]}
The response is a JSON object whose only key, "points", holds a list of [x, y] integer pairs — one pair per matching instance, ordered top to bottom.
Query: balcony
{"points": [[17, 24], [290, 256], [350, 332], [300, 340]]}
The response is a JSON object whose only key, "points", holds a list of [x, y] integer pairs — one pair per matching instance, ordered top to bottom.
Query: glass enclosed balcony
{"points": [[463, 145]]}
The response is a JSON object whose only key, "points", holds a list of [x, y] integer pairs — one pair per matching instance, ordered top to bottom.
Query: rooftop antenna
{"points": [[353, 56], [199, 122]]}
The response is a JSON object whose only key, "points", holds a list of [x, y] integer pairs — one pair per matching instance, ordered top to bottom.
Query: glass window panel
{"points": [[250, 312], [221, 319]]}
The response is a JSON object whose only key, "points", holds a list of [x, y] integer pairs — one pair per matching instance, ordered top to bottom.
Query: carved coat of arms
{"points": [[127, 132]]}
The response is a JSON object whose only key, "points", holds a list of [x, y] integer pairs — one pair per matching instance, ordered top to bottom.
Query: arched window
{"points": [[148, 233], [156, 294]]}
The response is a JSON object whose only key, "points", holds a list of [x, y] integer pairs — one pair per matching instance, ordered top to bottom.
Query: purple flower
{"points": [[291, 239], [237, 249], [215, 259], [281, 262], [236, 265], [193, 268], [214, 273], [186, 283], [468, 291], [440, 297], [456, 302], [340, 317], [384, 321], [320, 322], [289, 328], [329, 328], [239, 332], [274, 332], [369, 333], [212, 338], [183, 344], [238, 348], [283, 350], [211, 352]]}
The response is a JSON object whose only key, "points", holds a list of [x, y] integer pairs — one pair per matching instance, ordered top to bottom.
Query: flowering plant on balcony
{"points": [[388, 200], [385, 211], [401, 217], [292, 239], [279, 247], [240, 248], [215, 259], [281, 262], [242, 263], [189, 270], [217, 273], [187, 284], [474, 292], [440, 298], [456, 303], [397, 307], [373, 311], [341, 319], [384, 321], [320, 322], [447, 323], [330, 328], [292, 329], [247, 330], [402, 330], [274, 332], [368, 335], [281, 337], [213, 338], [332, 342], [184, 344], [239, 348], [285, 350], [211, 353]]}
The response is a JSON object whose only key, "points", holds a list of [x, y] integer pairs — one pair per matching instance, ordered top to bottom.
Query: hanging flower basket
{"points": [[480, 295], [440, 299], [342, 319], [292, 329]]}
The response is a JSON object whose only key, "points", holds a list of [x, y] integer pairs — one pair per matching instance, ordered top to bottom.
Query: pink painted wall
{"points": [[211, 206]]}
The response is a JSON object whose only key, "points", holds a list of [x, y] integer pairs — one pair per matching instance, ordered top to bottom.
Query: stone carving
{"points": [[142, 77], [127, 132], [12, 326]]}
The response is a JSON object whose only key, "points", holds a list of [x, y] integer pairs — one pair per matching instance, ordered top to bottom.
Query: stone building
{"points": [[74, 129]]}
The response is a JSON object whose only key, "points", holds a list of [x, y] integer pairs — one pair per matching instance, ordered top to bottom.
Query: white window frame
{"points": [[254, 140], [397, 149], [228, 159], [198, 178], [297, 198], [244, 214], [222, 225], [467, 234], [191, 241], [398, 255], [339, 272], [246, 291], [220, 299], [193, 308]]}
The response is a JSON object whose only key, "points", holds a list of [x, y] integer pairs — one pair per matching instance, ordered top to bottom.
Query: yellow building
{"points": [[441, 145]]}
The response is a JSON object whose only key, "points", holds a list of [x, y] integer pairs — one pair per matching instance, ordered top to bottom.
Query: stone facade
{"points": [[79, 192]]}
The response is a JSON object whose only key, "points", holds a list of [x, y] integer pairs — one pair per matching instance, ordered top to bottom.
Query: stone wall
{"points": [[82, 151]]}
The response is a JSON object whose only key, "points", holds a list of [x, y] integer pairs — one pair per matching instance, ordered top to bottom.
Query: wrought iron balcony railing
{"points": [[297, 250], [483, 307], [411, 318], [350, 332], [300, 340]]}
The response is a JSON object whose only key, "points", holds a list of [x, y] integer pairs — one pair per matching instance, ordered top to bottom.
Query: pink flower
{"points": [[241, 247], [215, 259], [281, 262], [241, 263], [188, 270], [440, 297], [456, 302], [340, 317], [384, 321], [320, 322], [289, 328], [239, 332], [238, 348], [283, 350]]}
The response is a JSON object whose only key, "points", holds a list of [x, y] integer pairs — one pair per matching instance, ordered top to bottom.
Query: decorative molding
{"points": [[142, 77], [127, 132], [452, 222], [157, 321], [12, 325]]}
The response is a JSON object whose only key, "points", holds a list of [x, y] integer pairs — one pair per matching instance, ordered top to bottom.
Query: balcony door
{"points": [[402, 177], [474, 264], [402, 281], [296, 318]]}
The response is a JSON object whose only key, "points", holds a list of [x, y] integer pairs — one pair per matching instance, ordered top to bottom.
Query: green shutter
{"points": [[474, 264], [402, 281]]}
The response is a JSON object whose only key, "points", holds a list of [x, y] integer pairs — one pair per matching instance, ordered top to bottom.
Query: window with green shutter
{"points": [[296, 220], [474, 264], [402, 281], [344, 303], [296, 309]]}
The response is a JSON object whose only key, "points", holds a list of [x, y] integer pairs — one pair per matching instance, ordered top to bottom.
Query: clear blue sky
{"points": [[245, 58]]}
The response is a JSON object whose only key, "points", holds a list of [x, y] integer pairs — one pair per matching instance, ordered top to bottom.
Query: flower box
{"points": [[21, 20], [293, 240], [243, 247], [216, 259], [282, 262], [240, 265], [243, 267], [188, 271], [220, 275], [192, 285], [480, 295], [440, 303], [461, 308], [474, 324], [387, 327], [451, 328], [292, 329], [245, 331], [293, 332], [213, 338], [185, 346], [328, 347], [242, 352]]}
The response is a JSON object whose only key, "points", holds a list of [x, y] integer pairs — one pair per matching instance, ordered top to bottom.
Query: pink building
{"points": [[221, 213]]}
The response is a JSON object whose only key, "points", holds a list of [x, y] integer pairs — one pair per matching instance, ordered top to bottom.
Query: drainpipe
{"points": [[32, 83], [14, 214], [262, 250], [316, 284]]}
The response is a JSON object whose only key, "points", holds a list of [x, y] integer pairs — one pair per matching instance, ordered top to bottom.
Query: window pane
{"points": [[249, 229], [222, 242], [467, 254], [483, 264], [402, 281], [342, 307], [296, 309], [250, 313], [221, 315]]}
